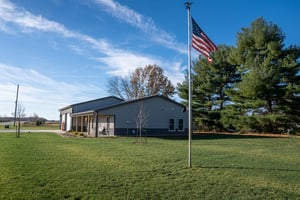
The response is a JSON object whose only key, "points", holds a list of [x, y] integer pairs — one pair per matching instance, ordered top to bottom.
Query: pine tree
{"points": [[269, 78], [290, 80], [210, 82], [253, 86]]}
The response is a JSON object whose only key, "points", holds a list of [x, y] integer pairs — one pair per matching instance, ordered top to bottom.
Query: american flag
{"points": [[201, 42]]}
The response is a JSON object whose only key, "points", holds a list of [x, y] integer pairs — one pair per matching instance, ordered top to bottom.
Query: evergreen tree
{"points": [[210, 82], [270, 84], [253, 86], [289, 104]]}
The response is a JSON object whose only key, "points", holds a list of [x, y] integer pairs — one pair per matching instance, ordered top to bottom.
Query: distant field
{"points": [[31, 126], [48, 166]]}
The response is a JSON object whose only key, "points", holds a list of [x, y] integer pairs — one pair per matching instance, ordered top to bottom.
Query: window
{"points": [[171, 124], [180, 124]]}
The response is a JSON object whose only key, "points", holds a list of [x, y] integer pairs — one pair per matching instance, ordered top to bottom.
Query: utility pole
{"points": [[16, 106]]}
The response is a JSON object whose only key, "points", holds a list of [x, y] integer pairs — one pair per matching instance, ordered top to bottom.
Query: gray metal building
{"points": [[112, 116]]}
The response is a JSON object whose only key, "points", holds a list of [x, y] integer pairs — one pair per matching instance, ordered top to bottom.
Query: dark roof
{"points": [[139, 99], [98, 100], [122, 102], [72, 105]]}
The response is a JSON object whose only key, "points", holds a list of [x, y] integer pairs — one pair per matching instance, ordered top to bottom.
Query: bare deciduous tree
{"points": [[143, 82], [120, 87], [20, 114], [141, 120]]}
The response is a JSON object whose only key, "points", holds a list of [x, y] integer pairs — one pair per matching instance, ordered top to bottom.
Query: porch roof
{"points": [[89, 112]]}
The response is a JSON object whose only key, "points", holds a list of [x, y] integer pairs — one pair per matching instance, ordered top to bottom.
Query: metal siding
{"points": [[158, 111]]}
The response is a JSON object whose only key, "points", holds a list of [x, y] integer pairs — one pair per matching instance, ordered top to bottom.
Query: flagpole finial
{"points": [[187, 5]]}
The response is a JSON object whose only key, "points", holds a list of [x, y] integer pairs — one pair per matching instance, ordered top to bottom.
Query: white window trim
{"points": [[174, 125], [181, 130]]}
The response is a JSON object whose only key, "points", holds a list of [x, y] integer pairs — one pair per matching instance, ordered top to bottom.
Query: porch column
{"points": [[71, 123], [76, 123], [81, 124], [88, 125], [96, 133]]}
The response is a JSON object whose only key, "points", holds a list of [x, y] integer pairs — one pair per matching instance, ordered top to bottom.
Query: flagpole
{"points": [[187, 5]]}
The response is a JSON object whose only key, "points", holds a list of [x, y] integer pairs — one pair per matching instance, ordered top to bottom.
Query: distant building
{"points": [[112, 116]]}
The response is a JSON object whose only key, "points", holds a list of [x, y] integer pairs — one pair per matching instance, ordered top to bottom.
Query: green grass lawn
{"points": [[48, 166]]}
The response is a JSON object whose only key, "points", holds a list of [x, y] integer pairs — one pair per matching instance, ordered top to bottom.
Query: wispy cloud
{"points": [[9, 13], [126, 14], [27, 22], [141, 22], [119, 61], [38, 83], [38, 90], [40, 93]]}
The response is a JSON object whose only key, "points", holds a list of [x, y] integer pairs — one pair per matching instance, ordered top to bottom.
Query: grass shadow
{"points": [[212, 136], [247, 168]]}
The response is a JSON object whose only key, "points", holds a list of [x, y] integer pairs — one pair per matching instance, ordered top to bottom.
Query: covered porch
{"points": [[93, 124]]}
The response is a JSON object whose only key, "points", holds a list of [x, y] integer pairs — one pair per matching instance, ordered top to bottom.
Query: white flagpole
{"points": [[187, 5]]}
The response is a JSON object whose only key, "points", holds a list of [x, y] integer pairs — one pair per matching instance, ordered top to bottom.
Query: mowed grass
{"points": [[48, 166]]}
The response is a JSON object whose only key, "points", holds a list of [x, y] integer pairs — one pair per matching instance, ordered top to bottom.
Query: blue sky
{"points": [[63, 52]]}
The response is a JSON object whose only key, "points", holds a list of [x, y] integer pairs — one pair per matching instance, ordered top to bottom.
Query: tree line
{"points": [[253, 86]]}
